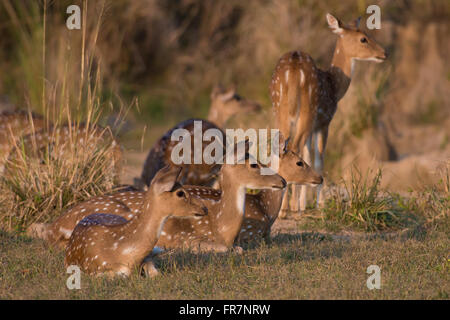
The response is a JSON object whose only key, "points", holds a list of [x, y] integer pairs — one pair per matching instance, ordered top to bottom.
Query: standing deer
{"points": [[304, 97], [224, 104], [104, 243]]}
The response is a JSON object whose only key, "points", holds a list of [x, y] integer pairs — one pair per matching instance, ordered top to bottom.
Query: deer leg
{"points": [[321, 140], [307, 158], [298, 196], [285, 204]]}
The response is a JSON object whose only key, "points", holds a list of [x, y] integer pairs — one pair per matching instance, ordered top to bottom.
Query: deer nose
{"points": [[320, 180]]}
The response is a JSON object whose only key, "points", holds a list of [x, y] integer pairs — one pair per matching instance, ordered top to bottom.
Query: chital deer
{"points": [[304, 97], [227, 103], [224, 104], [14, 124], [160, 155], [126, 204], [262, 209], [218, 231], [104, 243]]}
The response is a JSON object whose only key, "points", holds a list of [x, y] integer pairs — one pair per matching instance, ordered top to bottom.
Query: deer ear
{"points": [[355, 23], [335, 24], [218, 89], [228, 94], [286, 144], [165, 179]]}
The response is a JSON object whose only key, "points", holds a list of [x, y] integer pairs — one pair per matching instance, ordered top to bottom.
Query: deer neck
{"points": [[340, 71], [215, 116], [270, 201], [229, 211], [142, 232]]}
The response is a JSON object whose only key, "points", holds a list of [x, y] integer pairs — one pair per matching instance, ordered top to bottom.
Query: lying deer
{"points": [[304, 97], [224, 105], [126, 204], [218, 231], [215, 232], [104, 243]]}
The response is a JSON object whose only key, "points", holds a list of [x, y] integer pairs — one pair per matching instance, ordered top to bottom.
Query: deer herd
{"points": [[206, 207]]}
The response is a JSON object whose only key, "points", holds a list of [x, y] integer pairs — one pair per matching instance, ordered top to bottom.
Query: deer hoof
{"points": [[150, 270]]}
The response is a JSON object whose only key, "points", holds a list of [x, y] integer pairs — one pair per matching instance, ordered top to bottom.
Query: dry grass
{"points": [[72, 159], [39, 184], [360, 203]]}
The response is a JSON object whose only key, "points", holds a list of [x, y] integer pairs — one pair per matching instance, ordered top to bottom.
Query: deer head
{"points": [[354, 43], [227, 103], [293, 168], [170, 197]]}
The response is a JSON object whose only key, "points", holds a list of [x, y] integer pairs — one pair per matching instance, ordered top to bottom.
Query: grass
{"points": [[359, 203], [300, 262], [303, 266]]}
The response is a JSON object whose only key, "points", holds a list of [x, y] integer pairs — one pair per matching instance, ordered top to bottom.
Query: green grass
{"points": [[361, 204], [309, 265]]}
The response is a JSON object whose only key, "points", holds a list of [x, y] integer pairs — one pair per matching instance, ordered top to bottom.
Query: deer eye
{"points": [[363, 40], [300, 163], [254, 165], [180, 194]]}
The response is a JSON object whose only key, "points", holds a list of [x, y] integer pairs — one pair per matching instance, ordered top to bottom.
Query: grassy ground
{"points": [[295, 265]]}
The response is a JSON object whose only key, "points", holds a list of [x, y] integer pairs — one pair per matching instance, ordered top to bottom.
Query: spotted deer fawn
{"points": [[304, 97], [224, 104], [14, 124], [125, 204], [262, 209], [217, 231], [104, 243]]}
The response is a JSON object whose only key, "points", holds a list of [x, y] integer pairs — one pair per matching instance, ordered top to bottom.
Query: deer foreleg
{"points": [[321, 140], [307, 158]]}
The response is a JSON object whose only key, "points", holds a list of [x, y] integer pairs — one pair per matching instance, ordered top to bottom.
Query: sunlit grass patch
{"points": [[360, 203]]}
